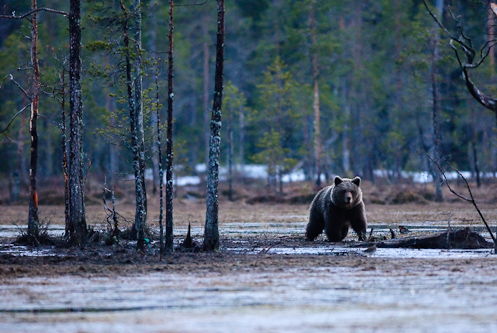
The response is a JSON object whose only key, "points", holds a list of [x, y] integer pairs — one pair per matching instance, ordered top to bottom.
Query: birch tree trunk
{"points": [[136, 121], [169, 144], [65, 169], [76, 179], [140, 214], [33, 221], [211, 232]]}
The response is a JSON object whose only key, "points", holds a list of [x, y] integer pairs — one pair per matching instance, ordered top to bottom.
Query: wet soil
{"points": [[250, 285]]}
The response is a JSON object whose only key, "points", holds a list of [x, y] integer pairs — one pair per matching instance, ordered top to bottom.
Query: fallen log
{"points": [[458, 239]]}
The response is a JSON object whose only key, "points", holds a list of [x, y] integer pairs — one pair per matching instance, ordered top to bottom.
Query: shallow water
{"points": [[270, 229], [392, 253], [374, 295], [364, 299]]}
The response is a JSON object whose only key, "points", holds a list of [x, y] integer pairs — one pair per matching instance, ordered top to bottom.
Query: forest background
{"points": [[372, 62]]}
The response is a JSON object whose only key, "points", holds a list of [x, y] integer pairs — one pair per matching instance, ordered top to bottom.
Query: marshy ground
{"points": [[264, 278]]}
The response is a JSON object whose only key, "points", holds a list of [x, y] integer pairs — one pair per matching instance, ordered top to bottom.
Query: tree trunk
{"points": [[490, 38], [206, 93], [315, 104], [436, 107], [346, 108], [154, 122], [345, 131], [241, 138], [169, 144], [473, 148], [230, 154], [159, 159], [113, 160], [65, 170], [76, 178], [141, 190], [140, 213], [33, 221], [211, 232]]}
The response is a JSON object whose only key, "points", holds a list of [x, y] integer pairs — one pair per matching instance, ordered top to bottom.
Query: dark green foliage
{"points": [[375, 97]]}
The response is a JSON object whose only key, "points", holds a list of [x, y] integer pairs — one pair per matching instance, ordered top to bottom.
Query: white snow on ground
{"points": [[256, 171]]}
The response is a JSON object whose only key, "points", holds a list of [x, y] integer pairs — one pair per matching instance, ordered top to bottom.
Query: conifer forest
{"points": [[326, 86], [184, 142]]}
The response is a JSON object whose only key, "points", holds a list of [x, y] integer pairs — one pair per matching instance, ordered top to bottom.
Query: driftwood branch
{"points": [[458, 239]]}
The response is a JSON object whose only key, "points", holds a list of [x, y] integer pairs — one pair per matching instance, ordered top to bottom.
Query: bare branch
{"points": [[193, 4], [493, 6], [14, 17], [439, 23], [466, 45], [455, 51], [17, 84], [12, 120], [442, 172], [471, 199]]}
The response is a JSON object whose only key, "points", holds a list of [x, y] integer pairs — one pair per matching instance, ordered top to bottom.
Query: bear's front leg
{"points": [[358, 221], [315, 226], [337, 233]]}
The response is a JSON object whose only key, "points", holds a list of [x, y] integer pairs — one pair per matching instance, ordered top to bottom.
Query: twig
{"points": [[193, 4], [14, 17], [17, 84], [12, 120], [471, 199], [265, 250]]}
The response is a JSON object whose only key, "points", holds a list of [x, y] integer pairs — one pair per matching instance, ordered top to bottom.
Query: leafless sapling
{"points": [[471, 198]]}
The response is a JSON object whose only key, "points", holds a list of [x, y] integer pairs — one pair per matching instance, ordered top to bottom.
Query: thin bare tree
{"points": [[136, 121], [169, 143], [77, 216], [211, 231]]}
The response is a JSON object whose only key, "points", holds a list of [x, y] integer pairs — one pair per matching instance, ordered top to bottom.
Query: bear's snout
{"points": [[348, 197]]}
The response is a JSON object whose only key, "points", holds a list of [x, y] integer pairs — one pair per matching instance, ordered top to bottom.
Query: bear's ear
{"points": [[338, 180], [357, 181]]}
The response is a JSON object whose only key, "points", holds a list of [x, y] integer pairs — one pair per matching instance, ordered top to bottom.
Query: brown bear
{"points": [[335, 208]]}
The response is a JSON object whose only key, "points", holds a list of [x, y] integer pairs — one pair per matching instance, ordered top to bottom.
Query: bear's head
{"points": [[346, 192]]}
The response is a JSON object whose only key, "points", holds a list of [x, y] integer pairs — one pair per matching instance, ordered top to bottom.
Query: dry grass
{"points": [[385, 204]]}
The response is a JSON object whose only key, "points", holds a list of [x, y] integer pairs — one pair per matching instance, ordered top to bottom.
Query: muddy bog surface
{"points": [[265, 278]]}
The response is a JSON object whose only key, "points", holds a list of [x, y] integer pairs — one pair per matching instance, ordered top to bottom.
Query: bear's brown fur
{"points": [[336, 208]]}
